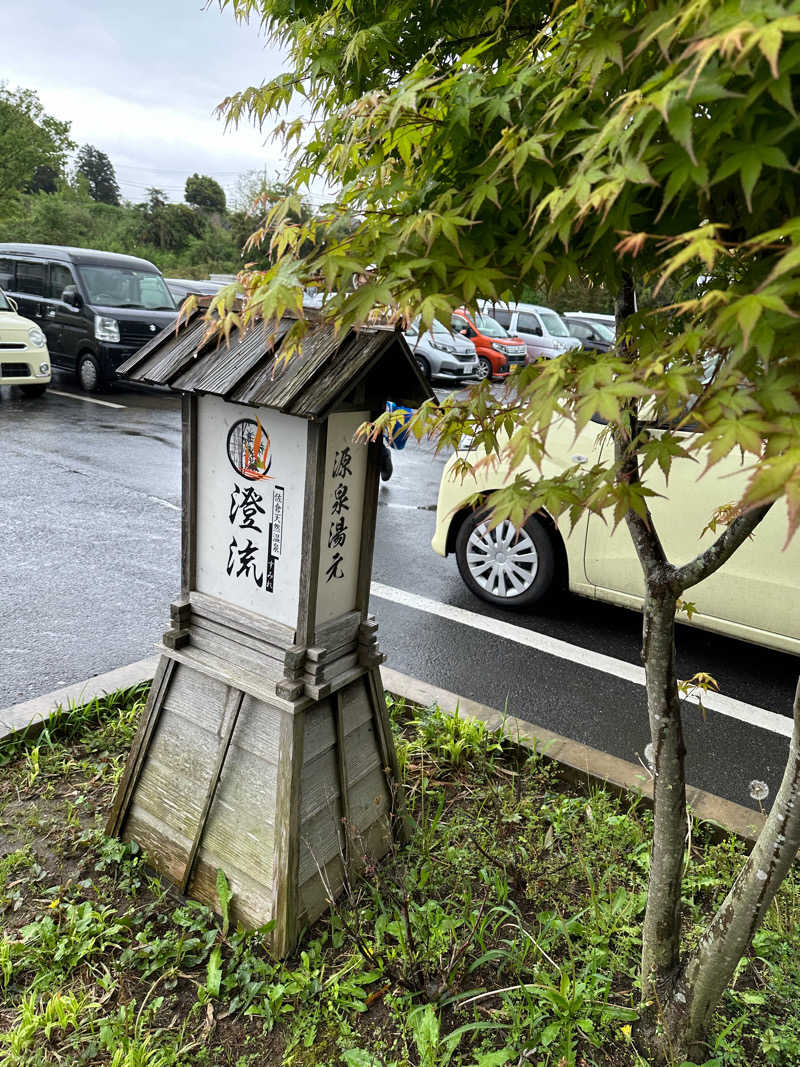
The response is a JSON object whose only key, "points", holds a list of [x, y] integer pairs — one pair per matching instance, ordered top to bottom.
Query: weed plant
{"points": [[504, 930]]}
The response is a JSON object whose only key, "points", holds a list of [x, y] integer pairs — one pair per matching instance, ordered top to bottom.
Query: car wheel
{"points": [[424, 367], [484, 370], [89, 376], [34, 390], [505, 566]]}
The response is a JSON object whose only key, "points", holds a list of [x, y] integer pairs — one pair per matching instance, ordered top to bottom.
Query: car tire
{"points": [[424, 367], [484, 371], [90, 376], [39, 389], [506, 567]]}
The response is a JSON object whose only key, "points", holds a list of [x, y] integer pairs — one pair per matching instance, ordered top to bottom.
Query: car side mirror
{"points": [[72, 297]]}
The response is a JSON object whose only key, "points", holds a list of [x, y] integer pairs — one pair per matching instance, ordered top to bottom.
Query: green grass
{"points": [[505, 932]]}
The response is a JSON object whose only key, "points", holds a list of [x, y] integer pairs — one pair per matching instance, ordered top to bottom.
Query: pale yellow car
{"points": [[24, 357], [754, 596]]}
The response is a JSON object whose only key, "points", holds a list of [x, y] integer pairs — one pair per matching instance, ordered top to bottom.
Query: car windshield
{"points": [[119, 287], [4, 304], [554, 324], [490, 327], [438, 328], [603, 332]]}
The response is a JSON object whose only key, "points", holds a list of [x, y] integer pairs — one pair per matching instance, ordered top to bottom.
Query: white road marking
{"points": [[87, 399], [163, 503], [619, 668]]}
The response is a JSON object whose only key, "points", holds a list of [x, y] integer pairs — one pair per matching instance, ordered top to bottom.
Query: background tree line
{"points": [[52, 194]]}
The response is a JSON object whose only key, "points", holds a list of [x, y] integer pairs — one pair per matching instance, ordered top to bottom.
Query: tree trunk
{"points": [[662, 924], [679, 996]]}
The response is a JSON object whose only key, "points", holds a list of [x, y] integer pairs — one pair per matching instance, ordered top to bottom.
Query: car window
{"points": [[7, 274], [32, 277], [60, 278], [121, 287], [4, 304], [502, 315], [528, 323], [554, 324], [460, 325], [490, 327], [579, 329], [603, 332]]}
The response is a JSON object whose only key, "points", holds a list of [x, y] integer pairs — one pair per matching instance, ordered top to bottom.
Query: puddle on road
{"points": [[140, 433]]}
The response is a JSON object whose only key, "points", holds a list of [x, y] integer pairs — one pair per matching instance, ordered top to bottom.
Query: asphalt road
{"points": [[90, 539]]}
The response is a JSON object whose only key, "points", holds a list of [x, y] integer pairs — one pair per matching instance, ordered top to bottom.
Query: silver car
{"points": [[439, 353]]}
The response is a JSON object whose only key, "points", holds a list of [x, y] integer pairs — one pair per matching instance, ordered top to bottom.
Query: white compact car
{"points": [[441, 353], [24, 359], [754, 597]]}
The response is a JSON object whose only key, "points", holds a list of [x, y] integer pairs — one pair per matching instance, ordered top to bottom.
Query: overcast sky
{"points": [[140, 80]]}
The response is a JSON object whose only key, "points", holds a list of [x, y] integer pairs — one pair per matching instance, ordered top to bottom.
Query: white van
{"points": [[543, 330], [24, 359]]}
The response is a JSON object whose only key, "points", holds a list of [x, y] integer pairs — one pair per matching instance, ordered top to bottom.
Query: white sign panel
{"points": [[250, 489], [342, 515]]}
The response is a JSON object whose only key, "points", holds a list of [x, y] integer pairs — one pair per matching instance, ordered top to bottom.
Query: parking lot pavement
{"points": [[90, 527], [90, 530]]}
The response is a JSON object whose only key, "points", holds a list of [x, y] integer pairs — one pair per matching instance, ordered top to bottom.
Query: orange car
{"points": [[497, 350]]}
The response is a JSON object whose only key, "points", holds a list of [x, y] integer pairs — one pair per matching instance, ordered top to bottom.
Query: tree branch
{"points": [[720, 551], [711, 967]]}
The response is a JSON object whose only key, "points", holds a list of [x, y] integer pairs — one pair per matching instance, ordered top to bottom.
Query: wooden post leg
{"points": [[383, 732], [141, 743], [286, 868]]}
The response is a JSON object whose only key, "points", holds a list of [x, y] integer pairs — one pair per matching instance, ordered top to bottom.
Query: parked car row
{"points": [[94, 309], [508, 335]]}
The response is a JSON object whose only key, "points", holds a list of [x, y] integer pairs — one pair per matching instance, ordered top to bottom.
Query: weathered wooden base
{"points": [[282, 795]]}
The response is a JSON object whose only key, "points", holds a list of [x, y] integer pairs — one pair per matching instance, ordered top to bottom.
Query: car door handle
{"points": [[50, 313]]}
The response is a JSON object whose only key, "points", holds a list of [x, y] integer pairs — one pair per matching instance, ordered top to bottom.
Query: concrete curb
{"points": [[31, 715], [578, 762]]}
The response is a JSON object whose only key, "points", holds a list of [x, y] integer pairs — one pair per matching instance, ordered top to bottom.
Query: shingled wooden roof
{"points": [[244, 368]]}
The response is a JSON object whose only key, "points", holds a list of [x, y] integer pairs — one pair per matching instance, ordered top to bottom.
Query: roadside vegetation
{"points": [[507, 931]]}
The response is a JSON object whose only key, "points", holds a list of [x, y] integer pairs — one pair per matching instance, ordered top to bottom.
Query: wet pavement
{"points": [[90, 561]]}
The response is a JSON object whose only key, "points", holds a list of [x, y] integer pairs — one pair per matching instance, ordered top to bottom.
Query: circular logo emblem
{"points": [[248, 449]]}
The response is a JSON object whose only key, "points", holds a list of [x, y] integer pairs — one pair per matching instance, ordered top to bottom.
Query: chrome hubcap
{"points": [[484, 370], [503, 561]]}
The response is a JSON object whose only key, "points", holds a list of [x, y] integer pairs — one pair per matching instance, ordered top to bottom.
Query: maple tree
{"points": [[634, 144]]}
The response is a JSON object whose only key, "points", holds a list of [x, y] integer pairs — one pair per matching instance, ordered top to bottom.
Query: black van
{"points": [[96, 308]]}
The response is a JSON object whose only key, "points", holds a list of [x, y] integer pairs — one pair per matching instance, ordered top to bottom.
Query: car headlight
{"points": [[106, 329], [36, 339], [443, 347], [44, 368]]}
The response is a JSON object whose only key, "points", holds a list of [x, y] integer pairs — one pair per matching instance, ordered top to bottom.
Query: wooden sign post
{"points": [[265, 749]]}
